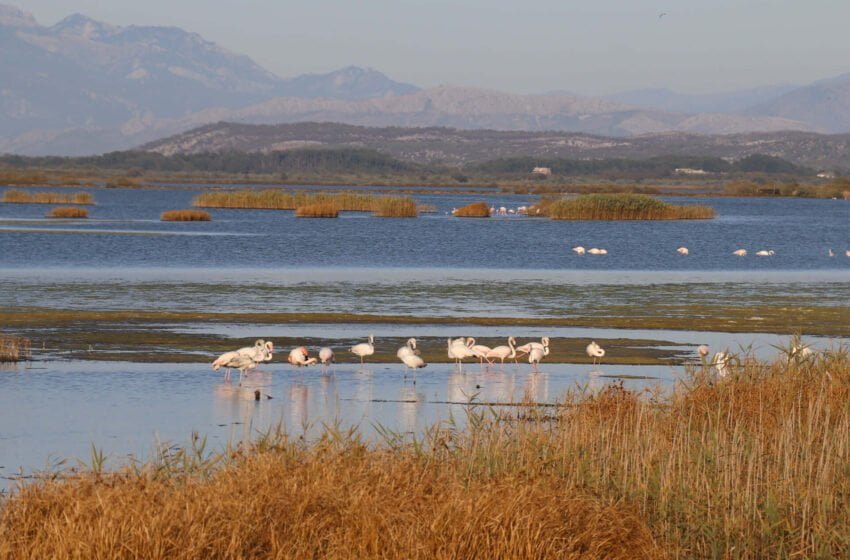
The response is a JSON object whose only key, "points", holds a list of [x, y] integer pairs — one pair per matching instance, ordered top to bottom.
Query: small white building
{"points": [[542, 171], [689, 171], [826, 175]]}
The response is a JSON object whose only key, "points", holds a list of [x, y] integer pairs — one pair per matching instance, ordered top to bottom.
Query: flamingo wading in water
{"points": [[364, 348], [595, 351], [502, 352]]}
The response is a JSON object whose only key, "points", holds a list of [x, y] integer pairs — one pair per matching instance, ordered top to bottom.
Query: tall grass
{"points": [[16, 196], [280, 199], [623, 207], [474, 210], [317, 211], [73, 213], [185, 216], [14, 348], [755, 465]]}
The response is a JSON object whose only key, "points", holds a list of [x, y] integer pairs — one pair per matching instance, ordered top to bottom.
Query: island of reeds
{"points": [[17, 196], [281, 199], [622, 207], [321, 210], [474, 210], [68, 213], [185, 216], [14, 348], [751, 465]]}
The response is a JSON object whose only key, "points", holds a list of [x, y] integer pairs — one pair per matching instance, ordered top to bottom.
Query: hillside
{"points": [[457, 147]]}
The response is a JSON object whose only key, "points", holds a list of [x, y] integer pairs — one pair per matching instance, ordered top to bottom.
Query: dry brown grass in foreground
{"points": [[42, 197], [474, 210], [317, 211], [71, 212], [185, 216], [14, 348], [756, 465]]}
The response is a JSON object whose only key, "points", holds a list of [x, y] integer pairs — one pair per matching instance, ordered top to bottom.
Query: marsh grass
{"points": [[15, 196], [281, 199], [395, 207], [623, 207], [324, 210], [474, 210], [71, 212], [185, 216], [14, 348], [754, 465]]}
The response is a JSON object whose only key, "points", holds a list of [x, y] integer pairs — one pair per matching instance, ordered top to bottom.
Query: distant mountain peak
{"points": [[13, 16], [83, 26], [349, 82]]}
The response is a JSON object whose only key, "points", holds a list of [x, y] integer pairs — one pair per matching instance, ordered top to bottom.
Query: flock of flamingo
{"points": [[579, 250], [459, 349]]}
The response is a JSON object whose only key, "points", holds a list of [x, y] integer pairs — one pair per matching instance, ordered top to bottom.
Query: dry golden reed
{"points": [[16, 196], [281, 199], [623, 207], [474, 210], [317, 211], [71, 212], [185, 216], [14, 348], [751, 466]]}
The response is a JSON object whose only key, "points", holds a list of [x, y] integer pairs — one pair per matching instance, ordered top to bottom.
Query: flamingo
{"points": [[579, 250], [683, 251], [847, 252], [740, 253], [765, 253], [830, 253], [364, 348], [408, 348], [527, 348], [459, 350], [478, 350], [702, 350], [595, 351], [502, 352], [536, 355], [326, 356], [300, 357], [234, 360], [412, 361], [720, 362]]}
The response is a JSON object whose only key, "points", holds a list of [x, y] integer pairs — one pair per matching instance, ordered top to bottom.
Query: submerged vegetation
{"points": [[16, 196], [281, 199], [623, 207], [474, 210], [71, 212], [185, 216], [14, 348], [752, 465]]}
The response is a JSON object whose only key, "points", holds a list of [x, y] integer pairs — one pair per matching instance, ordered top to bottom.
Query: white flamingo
{"points": [[579, 250], [683, 251], [847, 252], [740, 253], [765, 253], [831, 253], [364, 348], [527, 348], [459, 350], [478, 350], [702, 350], [595, 351], [502, 352], [536, 355], [326, 356], [300, 357], [234, 360], [414, 362], [720, 363]]}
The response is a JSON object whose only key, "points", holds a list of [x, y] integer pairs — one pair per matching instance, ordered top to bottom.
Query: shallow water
{"points": [[56, 410]]}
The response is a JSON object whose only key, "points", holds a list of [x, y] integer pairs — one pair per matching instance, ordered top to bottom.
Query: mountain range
{"points": [[82, 87]]}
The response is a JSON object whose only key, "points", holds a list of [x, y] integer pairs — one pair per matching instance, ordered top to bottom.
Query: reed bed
{"points": [[16, 196], [281, 199], [395, 207], [624, 207], [474, 210], [317, 211], [70, 212], [185, 216], [14, 348], [754, 465]]}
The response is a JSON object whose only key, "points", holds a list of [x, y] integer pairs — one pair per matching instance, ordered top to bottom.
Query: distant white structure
{"points": [[542, 171], [689, 171], [826, 175]]}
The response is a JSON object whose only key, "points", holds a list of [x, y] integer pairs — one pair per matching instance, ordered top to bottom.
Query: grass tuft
{"points": [[15, 196], [623, 207], [321, 210], [474, 210], [73, 213], [185, 216], [14, 349]]}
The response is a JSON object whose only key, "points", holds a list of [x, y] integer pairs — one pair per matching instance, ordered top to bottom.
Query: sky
{"points": [[529, 46]]}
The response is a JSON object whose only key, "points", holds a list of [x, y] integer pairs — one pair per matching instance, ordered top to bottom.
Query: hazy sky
{"points": [[586, 46]]}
